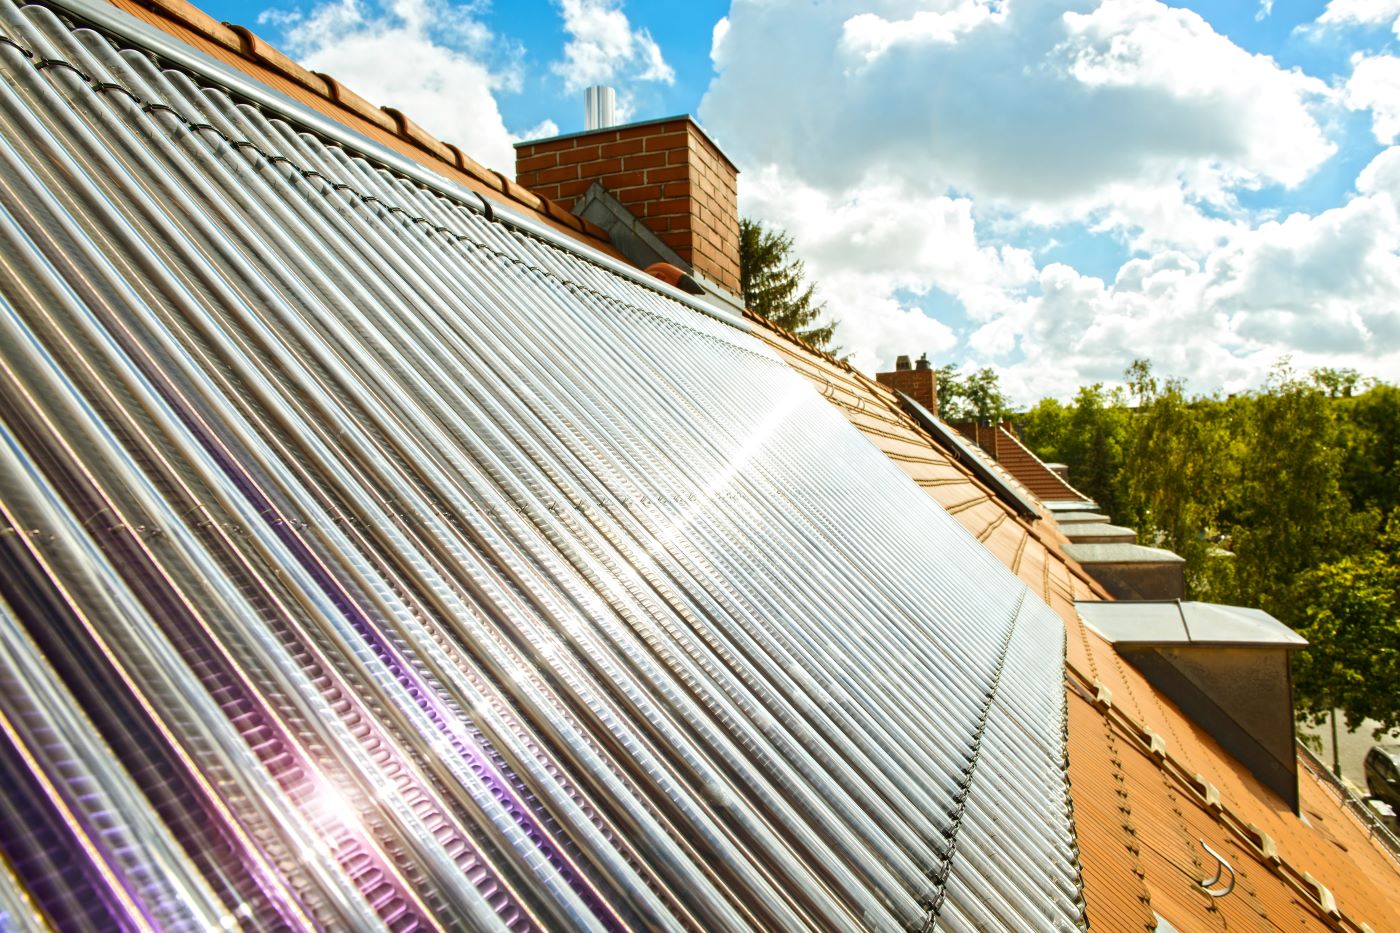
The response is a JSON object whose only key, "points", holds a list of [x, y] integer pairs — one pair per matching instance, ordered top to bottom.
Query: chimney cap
{"points": [[923, 363], [901, 364]]}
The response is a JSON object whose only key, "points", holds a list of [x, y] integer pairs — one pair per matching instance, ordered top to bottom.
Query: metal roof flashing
{"points": [[962, 451], [1146, 622], [1225, 666]]}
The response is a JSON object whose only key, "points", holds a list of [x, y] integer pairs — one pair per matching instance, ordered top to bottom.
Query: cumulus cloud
{"points": [[1360, 13], [868, 36], [603, 48], [434, 60], [1374, 85], [1130, 92], [943, 141], [878, 257], [1324, 288]]}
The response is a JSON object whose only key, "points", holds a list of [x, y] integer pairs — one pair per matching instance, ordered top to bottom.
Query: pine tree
{"points": [[772, 281]]}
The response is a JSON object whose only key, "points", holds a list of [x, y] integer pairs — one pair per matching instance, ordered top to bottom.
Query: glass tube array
{"points": [[371, 564]]}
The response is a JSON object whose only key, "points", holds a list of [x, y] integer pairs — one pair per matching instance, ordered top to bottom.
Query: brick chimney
{"points": [[666, 172], [919, 381]]}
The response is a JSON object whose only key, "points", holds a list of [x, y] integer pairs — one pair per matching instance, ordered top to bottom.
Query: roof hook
{"points": [[1221, 867]]}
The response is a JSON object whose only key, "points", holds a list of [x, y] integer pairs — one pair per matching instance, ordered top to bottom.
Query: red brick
{"points": [[636, 132], [668, 141], [555, 145], [625, 147], [581, 154], [645, 160], [536, 163], [600, 167], [562, 173], [669, 173], [622, 180], [569, 190], [638, 193], [668, 206]]}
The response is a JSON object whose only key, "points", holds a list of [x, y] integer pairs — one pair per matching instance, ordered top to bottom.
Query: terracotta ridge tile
{"points": [[191, 16], [247, 44], [259, 50], [356, 104], [420, 137], [469, 166]]}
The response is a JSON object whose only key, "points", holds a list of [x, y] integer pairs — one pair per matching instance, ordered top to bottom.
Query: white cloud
{"points": [[1360, 13], [868, 36], [717, 37], [603, 48], [427, 58], [1375, 85], [966, 97], [941, 136], [877, 256], [1324, 288]]}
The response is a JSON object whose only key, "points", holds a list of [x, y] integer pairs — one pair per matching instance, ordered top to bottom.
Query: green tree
{"points": [[772, 279], [1336, 383], [975, 397], [1370, 425], [1045, 429], [1096, 436], [1175, 473], [1287, 506], [1349, 610]]}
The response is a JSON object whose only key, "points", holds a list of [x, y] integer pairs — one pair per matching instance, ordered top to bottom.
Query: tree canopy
{"points": [[773, 282], [974, 397], [1274, 497], [1349, 611]]}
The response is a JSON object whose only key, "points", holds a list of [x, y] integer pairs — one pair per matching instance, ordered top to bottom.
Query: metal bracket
{"points": [[1221, 867]]}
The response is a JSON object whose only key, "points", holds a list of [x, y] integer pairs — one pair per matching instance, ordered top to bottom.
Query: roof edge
{"points": [[110, 18]]}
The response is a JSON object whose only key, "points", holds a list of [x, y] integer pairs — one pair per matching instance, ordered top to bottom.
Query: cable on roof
{"points": [[6, 40], [43, 63]]}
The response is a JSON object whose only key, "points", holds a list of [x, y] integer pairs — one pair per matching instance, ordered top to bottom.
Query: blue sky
{"points": [[1049, 188]]}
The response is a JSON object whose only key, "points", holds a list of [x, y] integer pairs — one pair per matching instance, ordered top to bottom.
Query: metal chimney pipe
{"points": [[598, 107]]}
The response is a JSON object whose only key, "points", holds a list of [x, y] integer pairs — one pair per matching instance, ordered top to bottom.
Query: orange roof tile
{"points": [[1017, 460]]}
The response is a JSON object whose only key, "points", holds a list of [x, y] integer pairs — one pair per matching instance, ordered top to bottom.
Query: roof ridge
{"points": [[243, 42], [1023, 449]]}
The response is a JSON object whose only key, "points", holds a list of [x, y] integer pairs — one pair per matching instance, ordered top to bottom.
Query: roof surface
{"points": [[1033, 474], [1121, 554], [1146, 783]]}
